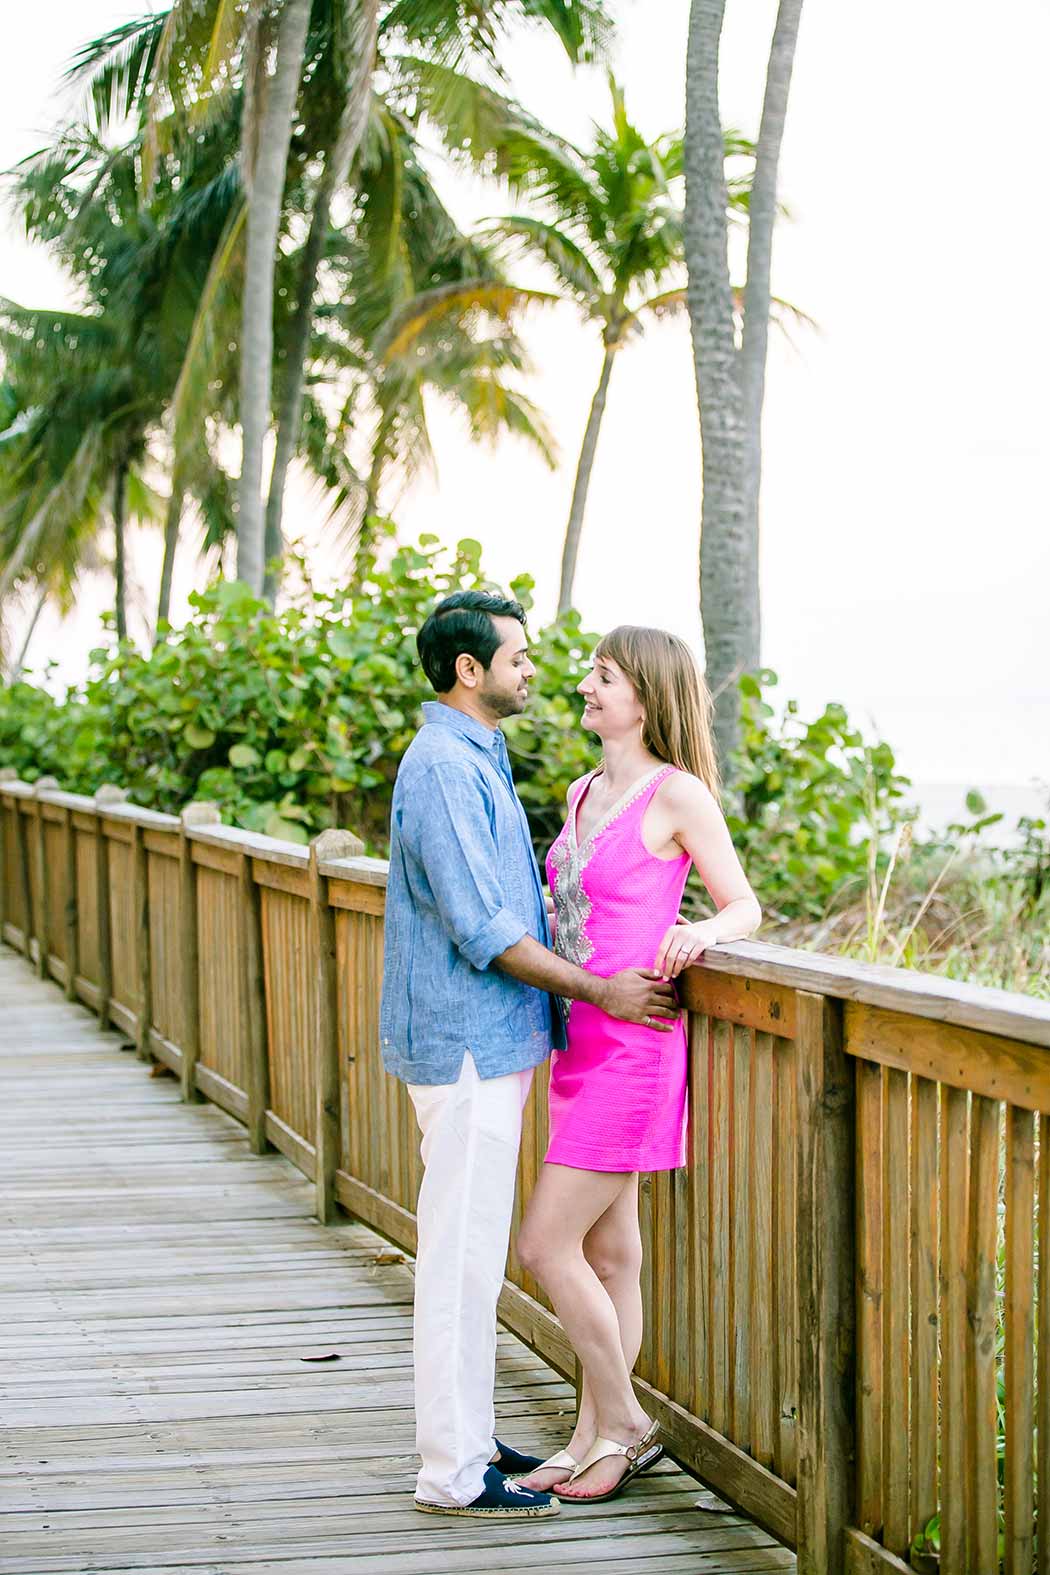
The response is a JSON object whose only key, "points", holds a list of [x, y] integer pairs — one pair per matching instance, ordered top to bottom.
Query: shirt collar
{"points": [[460, 722]]}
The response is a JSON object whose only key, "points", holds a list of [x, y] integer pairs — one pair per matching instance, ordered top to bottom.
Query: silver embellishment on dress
{"points": [[572, 905]]}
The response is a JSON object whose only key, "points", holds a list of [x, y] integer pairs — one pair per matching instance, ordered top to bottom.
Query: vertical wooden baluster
{"points": [[7, 774], [109, 793], [199, 814], [328, 845], [25, 881], [72, 911], [43, 960], [143, 962], [254, 1025], [721, 1099], [954, 1189], [825, 1213], [700, 1217], [740, 1221], [895, 1261], [665, 1272], [869, 1297], [924, 1316], [787, 1327], [683, 1350], [644, 1365], [763, 1366], [1020, 1406], [1042, 1420], [981, 1468]]}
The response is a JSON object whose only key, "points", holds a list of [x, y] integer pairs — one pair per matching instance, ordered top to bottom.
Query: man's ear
{"points": [[467, 670]]}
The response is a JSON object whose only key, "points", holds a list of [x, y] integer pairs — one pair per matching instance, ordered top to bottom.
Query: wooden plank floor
{"points": [[159, 1289]]}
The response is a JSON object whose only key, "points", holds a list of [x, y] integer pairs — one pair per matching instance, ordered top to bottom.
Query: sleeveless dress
{"points": [[618, 1092]]}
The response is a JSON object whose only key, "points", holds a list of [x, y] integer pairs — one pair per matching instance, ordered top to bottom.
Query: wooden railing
{"points": [[823, 1344]]}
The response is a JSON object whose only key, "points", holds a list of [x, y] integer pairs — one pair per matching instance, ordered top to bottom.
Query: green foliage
{"points": [[295, 721], [808, 800]]}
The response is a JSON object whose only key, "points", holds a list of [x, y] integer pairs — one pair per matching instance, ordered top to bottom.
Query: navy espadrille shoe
{"points": [[513, 1463], [499, 1500]]}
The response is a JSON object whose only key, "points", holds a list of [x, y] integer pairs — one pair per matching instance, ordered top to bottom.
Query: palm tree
{"points": [[200, 46], [609, 225], [611, 233], [387, 348], [109, 371], [730, 377]]}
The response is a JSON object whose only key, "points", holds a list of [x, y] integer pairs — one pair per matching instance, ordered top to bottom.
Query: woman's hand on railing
{"points": [[683, 945]]}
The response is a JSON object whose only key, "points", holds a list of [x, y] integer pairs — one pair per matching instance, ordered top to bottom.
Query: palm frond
{"points": [[115, 69], [568, 260], [493, 298], [188, 399]]}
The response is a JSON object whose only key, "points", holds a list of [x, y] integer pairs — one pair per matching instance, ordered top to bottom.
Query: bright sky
{"points": [[906, 555]]}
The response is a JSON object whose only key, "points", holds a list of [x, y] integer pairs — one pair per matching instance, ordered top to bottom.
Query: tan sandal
{"points": [[640, 1456], [562, 1461]]}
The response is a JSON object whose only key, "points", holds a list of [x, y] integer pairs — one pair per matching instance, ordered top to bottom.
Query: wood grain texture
{"points": [[984, 1063], [825, 1096], [954, 1189], [924, 1214], [868, 1273], [895, 1316], [1020, 1404], [982, 1478]]}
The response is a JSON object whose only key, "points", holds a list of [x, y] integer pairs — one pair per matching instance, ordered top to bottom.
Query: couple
{"points": [[474, 998]]}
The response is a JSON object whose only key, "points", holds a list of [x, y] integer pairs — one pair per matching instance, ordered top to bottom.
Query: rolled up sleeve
{"points": [[445, 827]]}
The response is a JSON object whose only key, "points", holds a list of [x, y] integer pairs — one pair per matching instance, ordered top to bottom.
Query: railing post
{"points": [[7, 774], [109, 793], [199, 814], [328, 845], [25, 881], [140, 909], [72, 911], [43, 955], [253, 1008], [824, 1246]]}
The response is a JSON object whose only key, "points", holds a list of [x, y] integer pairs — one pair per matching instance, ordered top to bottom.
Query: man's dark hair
{"points": [[462, 623]]}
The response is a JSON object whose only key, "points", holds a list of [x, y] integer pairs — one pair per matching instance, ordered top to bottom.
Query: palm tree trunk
{"points": [[337, 165], [266, 192], [761, 218], [583, 481], [171, 541], [120, 548], [727, 558], [20, 660]]}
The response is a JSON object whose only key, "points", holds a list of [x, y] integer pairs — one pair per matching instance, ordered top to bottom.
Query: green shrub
{"points": [[806, 802]]}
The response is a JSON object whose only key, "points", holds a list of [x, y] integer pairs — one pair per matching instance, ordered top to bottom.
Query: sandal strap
{"points": [[608, 1449], [562, 1461]]}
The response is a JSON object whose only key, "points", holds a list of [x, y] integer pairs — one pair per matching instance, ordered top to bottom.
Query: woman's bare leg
{"points": [[580, 1238]]}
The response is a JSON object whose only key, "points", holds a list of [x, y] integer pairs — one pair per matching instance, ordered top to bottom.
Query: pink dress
{"points": [[618, 1092]]}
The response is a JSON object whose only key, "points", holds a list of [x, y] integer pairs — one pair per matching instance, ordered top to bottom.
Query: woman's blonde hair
{"points": [[671, 690]]}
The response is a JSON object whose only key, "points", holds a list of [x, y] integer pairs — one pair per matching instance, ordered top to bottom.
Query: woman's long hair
{"points": [[672, 692]]}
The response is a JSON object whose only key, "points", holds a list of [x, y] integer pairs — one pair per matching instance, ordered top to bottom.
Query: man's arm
{"points": [[444, 824], [632, 995]]}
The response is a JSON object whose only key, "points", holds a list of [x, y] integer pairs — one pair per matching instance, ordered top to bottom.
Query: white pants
{"points": [[471, 1135]]}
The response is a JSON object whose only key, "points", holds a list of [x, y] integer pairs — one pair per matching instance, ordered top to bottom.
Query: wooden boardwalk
{"points": [[160, 1289]]}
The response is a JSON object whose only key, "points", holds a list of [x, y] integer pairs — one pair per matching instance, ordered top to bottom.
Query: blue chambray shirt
{"points": [[463, 887]]}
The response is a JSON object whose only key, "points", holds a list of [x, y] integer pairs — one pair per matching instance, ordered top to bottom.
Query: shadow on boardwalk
{"points": [[159, 1289]]}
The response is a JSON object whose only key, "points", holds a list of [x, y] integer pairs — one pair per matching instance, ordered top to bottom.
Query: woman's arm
{"points": [[700, 829]]}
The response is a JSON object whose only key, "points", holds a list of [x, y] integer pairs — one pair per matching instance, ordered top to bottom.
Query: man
{"points": [[467, 1014]]}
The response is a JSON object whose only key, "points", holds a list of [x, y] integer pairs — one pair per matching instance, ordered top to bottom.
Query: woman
{"points": [[618, 1092]]}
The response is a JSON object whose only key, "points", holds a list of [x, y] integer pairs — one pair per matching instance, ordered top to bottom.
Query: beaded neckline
{"points": [[619, 808]]}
